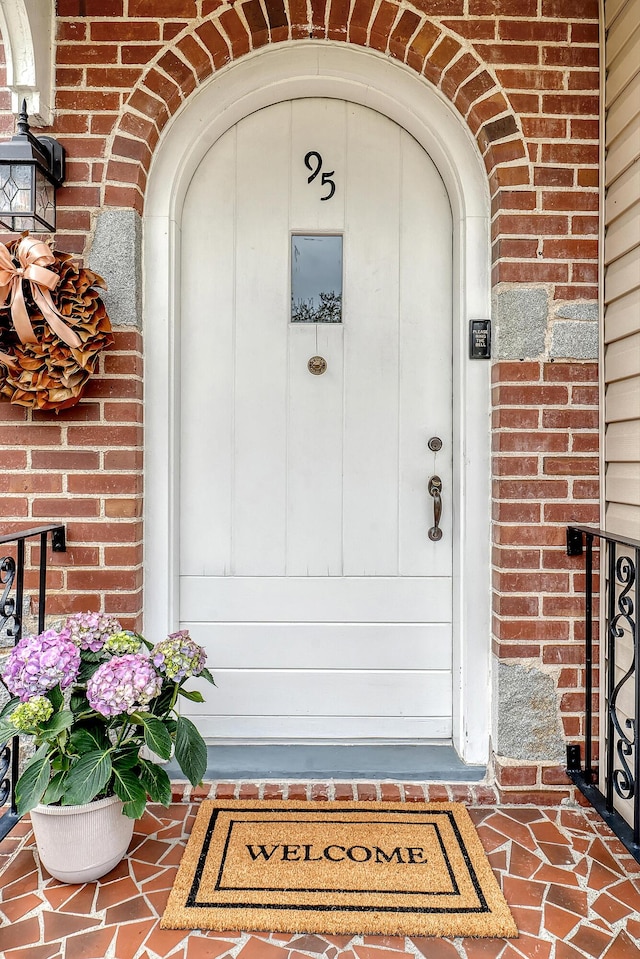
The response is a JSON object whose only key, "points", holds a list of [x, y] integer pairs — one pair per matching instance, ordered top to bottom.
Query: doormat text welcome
{"points": [[375, 868]]}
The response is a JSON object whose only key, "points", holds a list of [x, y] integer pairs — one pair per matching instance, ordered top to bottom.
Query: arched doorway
{"points": [[398, 98]]}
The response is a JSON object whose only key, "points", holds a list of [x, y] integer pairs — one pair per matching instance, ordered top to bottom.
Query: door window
{"points": [[316, 279]]}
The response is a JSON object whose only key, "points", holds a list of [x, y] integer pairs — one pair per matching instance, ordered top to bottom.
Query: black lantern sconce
{"points": [[31, 168]]}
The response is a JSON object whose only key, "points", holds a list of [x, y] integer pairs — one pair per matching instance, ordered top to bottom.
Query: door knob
{"points": [[435, 489]]}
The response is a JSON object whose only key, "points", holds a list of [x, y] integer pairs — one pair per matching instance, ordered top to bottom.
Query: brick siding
{"points": [[524, 76], [528, 90], [545, 476]]}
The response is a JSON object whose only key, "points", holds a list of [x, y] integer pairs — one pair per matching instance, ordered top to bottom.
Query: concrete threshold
{"points": [[397, 761]]}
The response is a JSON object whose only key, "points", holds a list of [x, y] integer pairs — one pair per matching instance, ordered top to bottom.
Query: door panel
{"points": [[372, 352], [260, 358], [425, 375], [316, 413], [303, 498], [325, 599], [389, 646], [248, 707]]}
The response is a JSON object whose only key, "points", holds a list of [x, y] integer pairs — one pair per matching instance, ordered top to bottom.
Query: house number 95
{"points": [[313, 163]]}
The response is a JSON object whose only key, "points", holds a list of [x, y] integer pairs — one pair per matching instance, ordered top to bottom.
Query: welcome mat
{"points": [[337, 867]]}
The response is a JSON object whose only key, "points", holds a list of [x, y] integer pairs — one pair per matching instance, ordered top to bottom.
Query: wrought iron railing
{"points": [[12, 570], [617, 782]]}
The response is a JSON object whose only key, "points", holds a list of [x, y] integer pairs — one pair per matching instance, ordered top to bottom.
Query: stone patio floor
{"points": [[572, 887]]}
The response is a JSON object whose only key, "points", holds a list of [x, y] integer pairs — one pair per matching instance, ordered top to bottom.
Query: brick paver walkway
{"points": [[572, 888]]}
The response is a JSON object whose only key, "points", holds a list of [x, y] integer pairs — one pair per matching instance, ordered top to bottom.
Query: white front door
{"points": [[306, 567]]}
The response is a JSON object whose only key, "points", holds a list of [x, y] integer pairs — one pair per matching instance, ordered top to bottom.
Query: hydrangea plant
{"points": [[92, 694]]}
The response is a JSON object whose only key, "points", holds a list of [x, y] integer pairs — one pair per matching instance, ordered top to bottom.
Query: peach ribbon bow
{"points": [[34, 258]]}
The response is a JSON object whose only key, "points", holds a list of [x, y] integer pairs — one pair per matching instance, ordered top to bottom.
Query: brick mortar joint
{"points": [[466, 46], [328, 788], [473, 794]]}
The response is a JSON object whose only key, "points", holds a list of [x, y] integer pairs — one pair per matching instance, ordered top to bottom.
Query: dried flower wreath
{"points": [[53, 325]]}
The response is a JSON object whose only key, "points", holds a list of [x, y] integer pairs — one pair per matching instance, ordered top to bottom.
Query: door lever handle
{"points": [[435, 488]]}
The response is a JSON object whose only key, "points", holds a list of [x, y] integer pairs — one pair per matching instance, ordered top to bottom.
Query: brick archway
{"points": [[445, 59]]}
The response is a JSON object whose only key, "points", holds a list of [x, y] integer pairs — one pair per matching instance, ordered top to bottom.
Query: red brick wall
{"points": [[524, 76], [526, 84], [84, 467], [545, 467]]}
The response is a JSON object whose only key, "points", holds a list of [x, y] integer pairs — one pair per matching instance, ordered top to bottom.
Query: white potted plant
{"points": [[92, 695]]}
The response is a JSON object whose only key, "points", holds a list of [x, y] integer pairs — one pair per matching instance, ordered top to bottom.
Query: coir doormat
{"points": [[337, 867]]}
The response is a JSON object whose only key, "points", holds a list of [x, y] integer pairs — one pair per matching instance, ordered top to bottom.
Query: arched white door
{"points": [[306, 566]]}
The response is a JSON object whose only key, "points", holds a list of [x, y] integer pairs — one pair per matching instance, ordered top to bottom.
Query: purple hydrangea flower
{"points": [[90, 630], [178, 656], [38, 663], [123, 685]]}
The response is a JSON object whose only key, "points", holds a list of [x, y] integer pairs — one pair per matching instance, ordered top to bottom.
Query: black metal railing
{"points": [[12, 570], [620, 775]]}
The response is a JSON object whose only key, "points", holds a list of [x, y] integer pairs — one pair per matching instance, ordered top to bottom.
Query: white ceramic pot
{"points": [[81, 843]]}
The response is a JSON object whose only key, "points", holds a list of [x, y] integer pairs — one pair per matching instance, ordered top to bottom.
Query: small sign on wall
{"points": [[479, 339]]}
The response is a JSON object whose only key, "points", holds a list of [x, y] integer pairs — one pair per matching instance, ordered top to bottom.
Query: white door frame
{"points": [[329, 69]]}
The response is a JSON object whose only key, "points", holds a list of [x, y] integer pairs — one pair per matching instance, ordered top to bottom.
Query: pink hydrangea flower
{"points": [[90, 630], [38, 663], [123, 685]]}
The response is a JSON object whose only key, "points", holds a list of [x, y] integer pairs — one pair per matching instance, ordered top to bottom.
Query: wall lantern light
{"points": [[31, 168]]}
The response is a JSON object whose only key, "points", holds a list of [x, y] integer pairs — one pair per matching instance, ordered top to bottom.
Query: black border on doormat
{"points": [[320, 908]]}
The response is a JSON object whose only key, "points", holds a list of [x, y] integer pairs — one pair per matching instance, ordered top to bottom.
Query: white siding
{"points": [[622, 268], [622, 301]]}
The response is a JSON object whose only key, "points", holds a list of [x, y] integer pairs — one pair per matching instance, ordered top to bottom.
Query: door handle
{"points": [[435, 488]]}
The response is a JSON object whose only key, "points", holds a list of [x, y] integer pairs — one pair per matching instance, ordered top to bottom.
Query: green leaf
{"points": [[88, 656], [86, 671], [205, 674], [193, 694], [56, 697], [78, 702], [161, 704], [8, 708], [57, 724], [7, 731], [156, 737], [86, 739], [191, 752], [125, 758], [60, 763], [86, 777], [156, 781], [31, 786], [55, 789], [129, 789], [135, 809]]}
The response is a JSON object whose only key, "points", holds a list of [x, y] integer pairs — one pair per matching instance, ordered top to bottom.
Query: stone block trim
{"points": [[116, 254], [520, 319], [529, 324], [528, 725]]}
